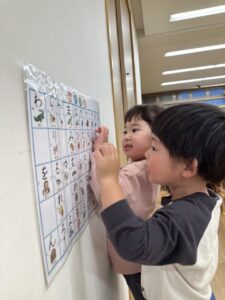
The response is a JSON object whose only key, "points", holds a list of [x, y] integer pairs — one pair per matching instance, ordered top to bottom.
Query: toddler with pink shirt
{"points": [[133, 179]]}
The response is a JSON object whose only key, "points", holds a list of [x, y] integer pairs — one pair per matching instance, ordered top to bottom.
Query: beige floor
{"points": [[218, 283]]}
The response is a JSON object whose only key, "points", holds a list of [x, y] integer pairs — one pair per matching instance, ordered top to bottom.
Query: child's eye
{"points": [[134, 130], [125, 132], [153, 148]]}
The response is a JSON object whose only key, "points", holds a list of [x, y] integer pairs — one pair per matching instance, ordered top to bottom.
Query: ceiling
{"points": [[156, 36]]}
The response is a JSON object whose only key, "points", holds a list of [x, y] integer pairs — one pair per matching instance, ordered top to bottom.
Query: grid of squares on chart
{"points": [[62, 132]]}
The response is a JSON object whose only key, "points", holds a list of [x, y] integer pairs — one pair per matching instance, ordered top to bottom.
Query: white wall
{"points": [[68, 40]]}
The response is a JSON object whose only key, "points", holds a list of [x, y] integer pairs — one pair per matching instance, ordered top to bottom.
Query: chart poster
{"points": [[62, 123]]}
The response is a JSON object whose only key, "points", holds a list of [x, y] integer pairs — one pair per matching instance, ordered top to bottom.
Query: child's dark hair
{"points": [[146, 112], [195, 131]]}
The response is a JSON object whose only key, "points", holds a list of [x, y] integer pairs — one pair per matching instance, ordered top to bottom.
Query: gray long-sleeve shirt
{"points": [[178, 245]]}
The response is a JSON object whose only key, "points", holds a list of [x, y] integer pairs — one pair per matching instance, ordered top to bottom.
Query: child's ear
{"points": [[190, 168]]}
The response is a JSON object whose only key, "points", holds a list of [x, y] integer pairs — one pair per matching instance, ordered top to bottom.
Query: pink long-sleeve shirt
{"points": [[141, 196]]}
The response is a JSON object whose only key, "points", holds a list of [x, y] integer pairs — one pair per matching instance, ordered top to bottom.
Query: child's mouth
{"points": [[127, 147]]}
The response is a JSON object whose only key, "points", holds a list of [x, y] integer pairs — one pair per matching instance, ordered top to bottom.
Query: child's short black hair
{"points": [[146, 112], [197, 131]]}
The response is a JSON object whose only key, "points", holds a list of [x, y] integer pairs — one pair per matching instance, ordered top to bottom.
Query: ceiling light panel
{"points": [[198, 13], [195, 50], [201, 68], [192, 80]]}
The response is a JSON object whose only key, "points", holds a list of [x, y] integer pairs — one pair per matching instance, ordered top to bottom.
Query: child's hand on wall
{"points": [[101, 138], [107, 162], [107, 170]]}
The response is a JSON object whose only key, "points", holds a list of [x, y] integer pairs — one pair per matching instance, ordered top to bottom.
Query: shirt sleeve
{"points": [[140, 193], [167, 237]]}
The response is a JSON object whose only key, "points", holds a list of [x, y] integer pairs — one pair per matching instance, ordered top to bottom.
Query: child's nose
{"points": [[127, 136]]}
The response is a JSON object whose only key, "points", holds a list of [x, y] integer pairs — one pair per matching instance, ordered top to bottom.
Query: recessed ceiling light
{"points": [[198, 13], [194, 50], [193, 69], [192, 80], [212, 85]]}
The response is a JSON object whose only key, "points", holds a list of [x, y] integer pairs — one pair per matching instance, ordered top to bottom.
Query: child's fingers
{"points": [[102, 130], [107, 149], [97, 155], [106, 161]]}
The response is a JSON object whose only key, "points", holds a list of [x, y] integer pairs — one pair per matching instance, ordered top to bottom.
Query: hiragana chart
{"points": [[62, 124]]}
